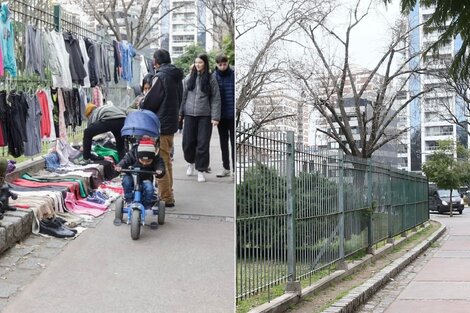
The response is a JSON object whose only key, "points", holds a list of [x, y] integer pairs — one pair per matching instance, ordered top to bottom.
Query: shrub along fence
{"points": [[300, 211]]}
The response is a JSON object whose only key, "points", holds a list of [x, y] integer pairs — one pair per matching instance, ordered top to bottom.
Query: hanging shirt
{"points": [[8, 41], [128, 52], [86, 60], [65, 78], [45, 117], [33, 145]]}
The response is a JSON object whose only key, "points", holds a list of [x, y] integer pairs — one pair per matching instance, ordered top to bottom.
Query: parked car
{"points": [[439, 201]]}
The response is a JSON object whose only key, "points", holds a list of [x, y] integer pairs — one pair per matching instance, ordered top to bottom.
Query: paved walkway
{"points": [[186, 265], [438, 281]]}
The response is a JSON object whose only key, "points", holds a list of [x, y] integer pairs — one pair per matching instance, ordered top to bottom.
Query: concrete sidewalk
{"points": [[186, 265], [443, 283]]}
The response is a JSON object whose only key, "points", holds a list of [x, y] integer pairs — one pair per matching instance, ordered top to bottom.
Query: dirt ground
{"points": [[321, 300]]}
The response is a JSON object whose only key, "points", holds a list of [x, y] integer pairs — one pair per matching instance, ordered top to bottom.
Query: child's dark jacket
{"points": [[130, 159]]}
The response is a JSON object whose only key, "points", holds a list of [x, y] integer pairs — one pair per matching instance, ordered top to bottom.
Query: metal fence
{"points": [[301, 211]]}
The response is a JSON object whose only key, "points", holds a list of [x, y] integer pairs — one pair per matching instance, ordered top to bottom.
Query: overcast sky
{"points": [[371, 35]]}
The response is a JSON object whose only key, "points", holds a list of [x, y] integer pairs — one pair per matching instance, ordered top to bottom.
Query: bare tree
{"points": [[223, 20], [137, 28], [261, 30], [335, 90], [452, 100]]}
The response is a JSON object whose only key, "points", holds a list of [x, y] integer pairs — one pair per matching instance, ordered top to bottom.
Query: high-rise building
{"points": [[186, 25], [428, 117]]}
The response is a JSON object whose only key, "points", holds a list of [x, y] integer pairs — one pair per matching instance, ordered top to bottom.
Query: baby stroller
{"points": [[138, 124]]}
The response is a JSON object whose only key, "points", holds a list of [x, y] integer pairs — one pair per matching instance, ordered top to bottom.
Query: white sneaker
{"points": [[190, 170], [223, 173], [200, 177]]}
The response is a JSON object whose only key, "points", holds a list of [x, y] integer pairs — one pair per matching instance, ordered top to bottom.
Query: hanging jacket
{"points": [[8, 41], [86, 60], [117, 61], [92, 65], [77, 69], [164, 98]]}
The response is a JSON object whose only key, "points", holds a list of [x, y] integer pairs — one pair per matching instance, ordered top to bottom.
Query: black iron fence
{"points": [[300, 211]]}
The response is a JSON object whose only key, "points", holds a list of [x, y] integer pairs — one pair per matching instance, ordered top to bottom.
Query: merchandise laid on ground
{"points": [[64, 198]]}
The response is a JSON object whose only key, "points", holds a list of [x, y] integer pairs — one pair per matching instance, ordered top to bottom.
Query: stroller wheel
{"points": [[161, 212]]}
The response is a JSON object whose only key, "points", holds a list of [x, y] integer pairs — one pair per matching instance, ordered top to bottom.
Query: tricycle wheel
{"points": [[118, 206], [161, 213], [135, 224]]}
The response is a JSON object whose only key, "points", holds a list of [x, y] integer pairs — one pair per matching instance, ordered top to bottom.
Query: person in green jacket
{"points": [[106, 118]]}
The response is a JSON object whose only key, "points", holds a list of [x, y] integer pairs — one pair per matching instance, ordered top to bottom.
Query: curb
{"points": [[360, 294]]}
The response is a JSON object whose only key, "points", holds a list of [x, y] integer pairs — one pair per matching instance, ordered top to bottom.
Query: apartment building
{"points": [[287, 114], [428, 117]]}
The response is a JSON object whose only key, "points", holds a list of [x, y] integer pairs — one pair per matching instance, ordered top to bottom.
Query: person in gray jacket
{"points": [[200, 109], [101, 120]]}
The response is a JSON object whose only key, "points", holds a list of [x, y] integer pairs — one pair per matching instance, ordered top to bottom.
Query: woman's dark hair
{"points": [[205, 75], [148, 78]]}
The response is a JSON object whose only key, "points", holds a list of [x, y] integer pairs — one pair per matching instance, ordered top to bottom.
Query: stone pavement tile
{"points": [[46, 253], [9, 260], [33, 263], [445, 269], [20, 276], [7, 289], [436, 291], [3, 303], [429, 306]]}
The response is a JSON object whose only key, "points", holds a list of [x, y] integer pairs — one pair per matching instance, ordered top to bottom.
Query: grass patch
{"points": [[351, 281], [246, 305]]}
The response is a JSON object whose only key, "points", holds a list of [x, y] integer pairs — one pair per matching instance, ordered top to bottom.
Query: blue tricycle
{"points": [[137, 124]]}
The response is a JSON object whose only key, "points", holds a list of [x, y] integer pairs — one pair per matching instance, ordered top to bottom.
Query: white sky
{"points": [[371, 35]]}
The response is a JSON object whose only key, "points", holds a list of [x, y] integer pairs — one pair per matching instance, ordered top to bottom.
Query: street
{"points": [[186, 265]]}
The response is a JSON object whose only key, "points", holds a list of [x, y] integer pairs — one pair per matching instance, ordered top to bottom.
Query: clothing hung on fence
{"points": [[7, 40], [34, 59], [77, 69], [33, 126]]}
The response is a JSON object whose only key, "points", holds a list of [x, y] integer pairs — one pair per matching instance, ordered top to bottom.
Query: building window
{"points": [[178, 50], [440, 130]]}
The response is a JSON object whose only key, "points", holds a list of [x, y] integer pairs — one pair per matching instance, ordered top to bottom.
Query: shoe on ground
{"points": [[190, 170], [208, 171], [224, 173], [200, 177], [169, 204]]}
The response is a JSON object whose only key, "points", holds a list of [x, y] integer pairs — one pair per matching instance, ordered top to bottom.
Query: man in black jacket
{"points": [[164, 99]]}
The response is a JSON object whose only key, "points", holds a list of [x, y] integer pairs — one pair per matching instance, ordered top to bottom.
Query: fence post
{"points": [[57, 17], [389, 204], [370, 241], [341, 262], [293, 286]]}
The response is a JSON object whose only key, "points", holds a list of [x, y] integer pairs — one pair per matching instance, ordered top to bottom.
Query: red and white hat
{"points": [[145, 150]]}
